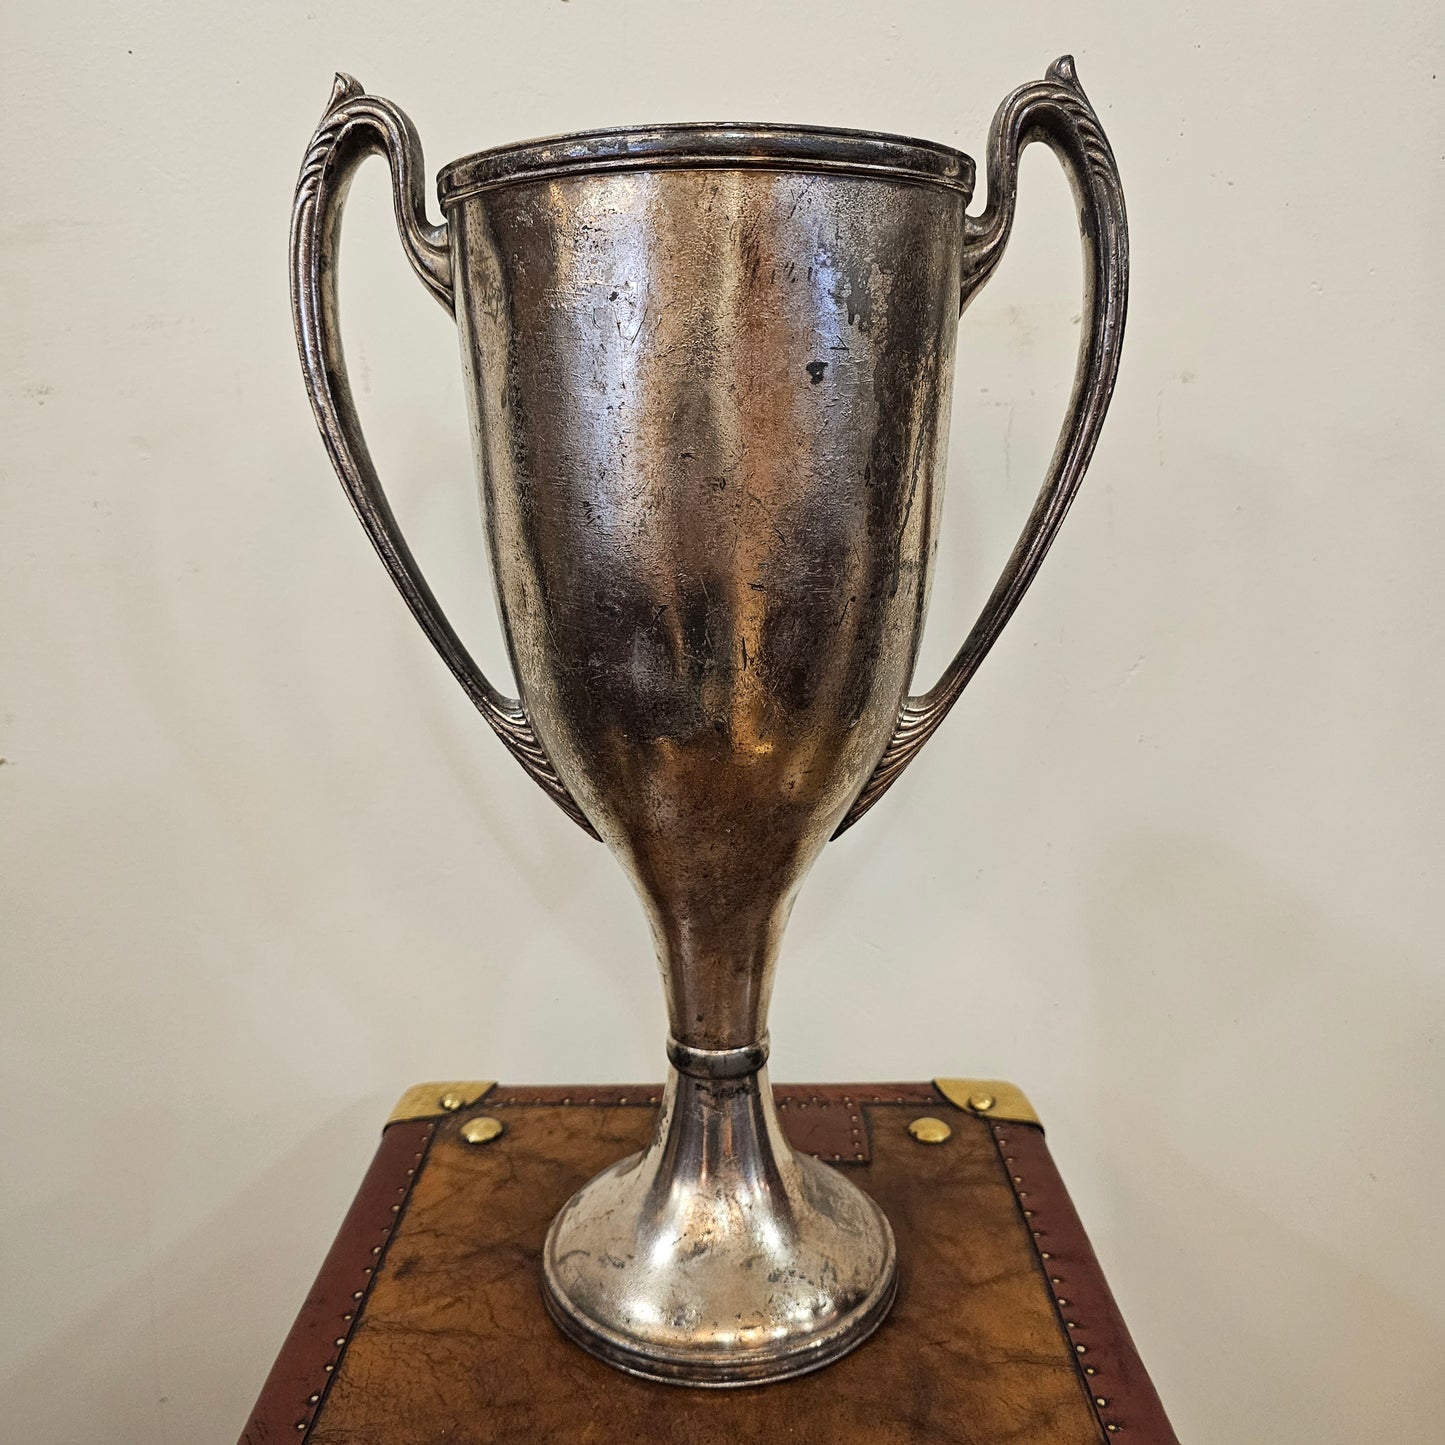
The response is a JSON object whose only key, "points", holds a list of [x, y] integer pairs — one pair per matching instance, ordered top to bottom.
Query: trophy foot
{"points": [[718, 1256]]}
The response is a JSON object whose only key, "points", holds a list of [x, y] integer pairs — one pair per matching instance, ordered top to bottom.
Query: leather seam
{"points": [[641, 1099], [856, 1127], [350, 1318], [1074, 1330]]}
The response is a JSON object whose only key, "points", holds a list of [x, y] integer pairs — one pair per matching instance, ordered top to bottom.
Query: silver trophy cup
{"points": [[709, 370]]}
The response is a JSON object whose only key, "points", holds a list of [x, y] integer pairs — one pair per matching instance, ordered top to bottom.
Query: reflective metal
{"points": [[708, 370], [719, 1256]]}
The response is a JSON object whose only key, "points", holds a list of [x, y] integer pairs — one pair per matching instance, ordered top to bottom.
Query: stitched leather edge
{"points": [[612, 1095], [824, 1120], [1123, 1397], [291, 1398]]}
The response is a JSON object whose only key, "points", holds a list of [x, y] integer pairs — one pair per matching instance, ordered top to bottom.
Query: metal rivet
{"points": [[451, 1102], [982, 1102], [481, 1130], [929, 1130], [341, 1341], [1080, 1349], [312, 1399], [1100, 1401]]}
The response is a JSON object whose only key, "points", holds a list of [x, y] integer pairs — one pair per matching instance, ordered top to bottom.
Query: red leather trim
{"points": [[615, 1094], [610, 1095], [824, 1120], [292, 1394], [1124, 1398]]}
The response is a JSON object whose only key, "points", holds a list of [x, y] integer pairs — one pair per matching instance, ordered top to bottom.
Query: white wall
{"points": [[1172, 864]]}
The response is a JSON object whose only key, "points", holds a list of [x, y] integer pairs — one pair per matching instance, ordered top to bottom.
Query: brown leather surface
{"points": [[450, 1342], [298, 1379], [1124, 1395]]}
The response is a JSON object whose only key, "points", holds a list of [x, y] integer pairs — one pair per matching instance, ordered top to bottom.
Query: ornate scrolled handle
{"points": [[1053, 110], [355, 126]]}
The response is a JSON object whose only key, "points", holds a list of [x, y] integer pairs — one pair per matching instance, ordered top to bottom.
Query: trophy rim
{"points": [[716, 145]]}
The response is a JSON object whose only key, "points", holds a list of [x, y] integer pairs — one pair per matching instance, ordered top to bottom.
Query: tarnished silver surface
{"points": [[708, 370], [718, 1256]]}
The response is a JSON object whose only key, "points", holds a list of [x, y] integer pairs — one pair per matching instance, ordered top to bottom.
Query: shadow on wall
{"points": [[1281, 1157]]}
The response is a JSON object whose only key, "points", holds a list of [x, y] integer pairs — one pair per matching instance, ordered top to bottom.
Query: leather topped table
{"points": [[426, 1325]]}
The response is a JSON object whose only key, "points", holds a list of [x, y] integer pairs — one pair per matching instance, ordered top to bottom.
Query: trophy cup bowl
{"points": [[708, 371]]}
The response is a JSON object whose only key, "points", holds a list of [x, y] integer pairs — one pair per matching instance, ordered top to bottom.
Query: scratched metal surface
{"points": [[710, 412]]}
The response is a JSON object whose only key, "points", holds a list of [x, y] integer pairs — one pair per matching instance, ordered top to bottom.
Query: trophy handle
{"points": [[1056, 111], [355, 126]]}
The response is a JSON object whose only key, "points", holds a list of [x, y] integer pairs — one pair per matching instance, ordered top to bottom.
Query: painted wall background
{"points": [[1173, 864]]}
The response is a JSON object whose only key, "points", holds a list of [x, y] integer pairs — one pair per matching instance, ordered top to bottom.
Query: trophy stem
{"points": [[719, 1255]]}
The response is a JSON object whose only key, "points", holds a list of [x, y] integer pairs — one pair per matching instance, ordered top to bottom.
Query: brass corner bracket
{"points": [[989, 1099], [435, 1101]]}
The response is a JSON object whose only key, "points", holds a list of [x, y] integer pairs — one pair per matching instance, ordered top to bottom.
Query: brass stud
{"points": [[451, 1102], [981, 1102], [481, 1130], [929, 1130], [1100, 1401]]}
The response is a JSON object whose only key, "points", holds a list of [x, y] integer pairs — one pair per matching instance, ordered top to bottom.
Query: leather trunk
{"points": [[426, 1324]]}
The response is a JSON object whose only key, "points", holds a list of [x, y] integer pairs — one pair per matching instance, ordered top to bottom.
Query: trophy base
{"points": [[718, 1256]]}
